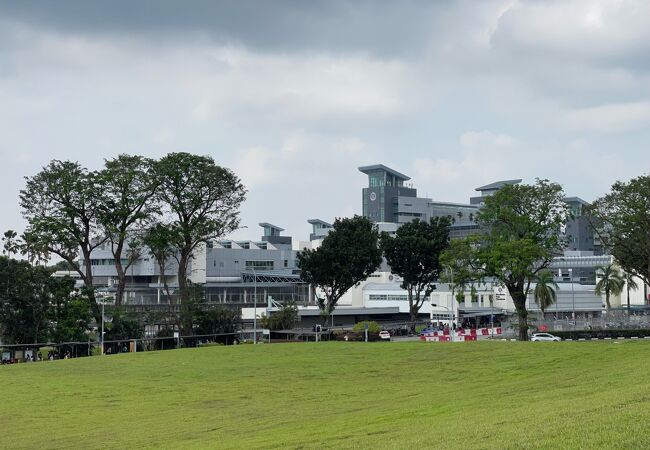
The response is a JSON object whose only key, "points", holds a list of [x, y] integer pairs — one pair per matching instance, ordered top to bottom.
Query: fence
{"points": [[617, 319], [33, 352]]}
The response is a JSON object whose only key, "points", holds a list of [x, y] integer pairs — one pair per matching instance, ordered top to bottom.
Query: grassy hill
{"points": [[336, 395]]}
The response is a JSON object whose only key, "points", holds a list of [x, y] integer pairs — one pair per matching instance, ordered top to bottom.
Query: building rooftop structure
{"points": [[380, 167], [497, 185], [270, 229], [320, 229], [272, 234]]}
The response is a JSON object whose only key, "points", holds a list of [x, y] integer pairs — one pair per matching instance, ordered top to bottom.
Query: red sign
{"points": [[543, 328]]}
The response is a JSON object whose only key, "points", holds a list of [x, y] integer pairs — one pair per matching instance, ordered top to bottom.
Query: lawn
{"points": [[336, 395]]}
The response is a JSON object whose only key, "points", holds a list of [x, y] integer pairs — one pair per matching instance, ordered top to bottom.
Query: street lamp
{"points": [[451, 282], [573, 298], [103, 303], [254, 306], [103, 321]]}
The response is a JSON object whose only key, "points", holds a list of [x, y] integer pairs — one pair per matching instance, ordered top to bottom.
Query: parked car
{"points": [[384, 335], [544, 337]]}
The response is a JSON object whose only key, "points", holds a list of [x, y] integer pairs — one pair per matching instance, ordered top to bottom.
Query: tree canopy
{"points": [[127, 187], [202, 202], [62, 204], [622, 221], [522, 232], [349, 254], [414, 254], [34, 306]]}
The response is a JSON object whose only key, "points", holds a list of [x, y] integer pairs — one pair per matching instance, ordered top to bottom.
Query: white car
{"points": [[384, 335], [544, 337]]}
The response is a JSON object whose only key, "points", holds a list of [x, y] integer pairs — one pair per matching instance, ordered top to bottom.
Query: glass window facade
{"points": [[259, 265], [388, 297]]}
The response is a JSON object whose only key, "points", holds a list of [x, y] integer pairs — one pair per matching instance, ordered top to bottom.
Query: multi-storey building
{"points": [[388, 199], [231, 272]]}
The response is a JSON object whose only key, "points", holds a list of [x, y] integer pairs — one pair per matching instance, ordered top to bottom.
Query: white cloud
{"points": [[582, 29], [609, 118], [486, 138], [307, 176]]}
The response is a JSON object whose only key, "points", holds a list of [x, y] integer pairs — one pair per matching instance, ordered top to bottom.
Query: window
{"points": [[286, 263], [259, 265], [391, 297]]}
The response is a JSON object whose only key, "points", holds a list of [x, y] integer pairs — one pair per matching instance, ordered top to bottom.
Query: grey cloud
{"points": [[380, 27]]}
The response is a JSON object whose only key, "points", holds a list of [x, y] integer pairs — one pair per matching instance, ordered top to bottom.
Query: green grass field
{"points": [[336, 395]]}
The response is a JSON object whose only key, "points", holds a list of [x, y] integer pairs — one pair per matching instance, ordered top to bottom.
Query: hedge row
{"points": [[601, 334]]}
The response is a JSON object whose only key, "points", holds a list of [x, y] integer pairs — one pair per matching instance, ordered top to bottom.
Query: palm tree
{"points": [[611, 282], [629, 284], [545, 289]]}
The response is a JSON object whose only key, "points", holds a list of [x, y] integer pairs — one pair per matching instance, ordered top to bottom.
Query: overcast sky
{"points": [[295, 95]]}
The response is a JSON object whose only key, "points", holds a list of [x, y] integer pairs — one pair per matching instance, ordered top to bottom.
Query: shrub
{"points": [[283, 319], [373, 327]]}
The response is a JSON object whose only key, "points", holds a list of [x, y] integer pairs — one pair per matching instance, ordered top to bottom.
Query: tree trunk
{"points": [[121, 276], [182, 277], [121, 285], [89, 288], [519, 299], [608, 306], [412, 310]]}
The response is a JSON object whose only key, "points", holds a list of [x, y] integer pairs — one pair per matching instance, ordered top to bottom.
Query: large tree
{"points": [[127, 187], [202, 201], [62, 204], [622, 221], [522, 226], [349, 254], [414, 254]]}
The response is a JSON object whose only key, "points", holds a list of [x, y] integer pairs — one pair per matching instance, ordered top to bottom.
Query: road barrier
{"points": [[461, 335]]}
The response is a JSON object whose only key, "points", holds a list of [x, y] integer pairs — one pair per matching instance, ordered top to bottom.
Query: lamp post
{"points": [[573, 298], [103, 303], [254, 306], [452, 315]]}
